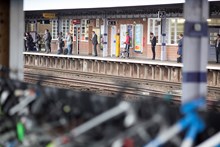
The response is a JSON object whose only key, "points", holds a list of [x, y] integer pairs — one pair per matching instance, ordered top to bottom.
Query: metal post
{"points": [[36, 25], [4, 32], [163, 35], [105, 37], [16, 38], [77, 38], [195, 49]]}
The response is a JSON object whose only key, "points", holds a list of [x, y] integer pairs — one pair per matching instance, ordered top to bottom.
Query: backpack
{"points": [[49, 37], [60, 51], [65, 52], [179, 59]]}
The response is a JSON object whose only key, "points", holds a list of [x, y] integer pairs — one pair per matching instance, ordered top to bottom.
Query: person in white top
{"points": [[69, 42]]}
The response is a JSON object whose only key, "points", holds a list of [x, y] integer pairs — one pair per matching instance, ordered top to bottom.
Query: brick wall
{"points": [[171, 52], [147, 53]]}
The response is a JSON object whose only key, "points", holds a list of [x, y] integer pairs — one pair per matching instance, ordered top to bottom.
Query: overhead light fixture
{"points": [[181, 20], [209, 20]]}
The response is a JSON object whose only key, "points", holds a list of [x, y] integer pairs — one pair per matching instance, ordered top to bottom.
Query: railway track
{"points": [[101, 77], [100, 83], [170, 86], [129, 91]]}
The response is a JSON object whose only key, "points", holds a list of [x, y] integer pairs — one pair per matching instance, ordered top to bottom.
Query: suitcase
{"points": [[59, 51], [65, 52], [179, 60]]}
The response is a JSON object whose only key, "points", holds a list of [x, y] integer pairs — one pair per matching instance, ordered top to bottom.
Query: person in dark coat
{"points": [[47, 39], [29, 41], [153, 41], [37, 42], [94, 42], [60, 43], [180, 47], [217, 47]]}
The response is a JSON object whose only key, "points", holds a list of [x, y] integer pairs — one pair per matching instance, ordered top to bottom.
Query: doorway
{"points": [[99, 46]]}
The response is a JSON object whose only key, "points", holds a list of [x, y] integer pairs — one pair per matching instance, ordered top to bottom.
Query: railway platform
{"points": [[133, 68]]}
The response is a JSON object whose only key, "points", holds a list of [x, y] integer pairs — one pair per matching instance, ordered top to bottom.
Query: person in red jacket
{"points": [[127, 44]]}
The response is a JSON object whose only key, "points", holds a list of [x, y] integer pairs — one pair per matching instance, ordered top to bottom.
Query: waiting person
{"points": [[47, 39], [29, 41], [153, 41], [25, 42], [37, 42], [94, 42], [60, 43], [69, 43], [127, 44], [217, 47], [180, 48]]}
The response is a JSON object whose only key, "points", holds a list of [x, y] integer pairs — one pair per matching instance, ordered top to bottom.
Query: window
{"points": [[31, 26], [65, 26], [175, 26], [180, 26], [154, 27], [71, 28], [54, 29], [84, 30], [76, 31], [172, 32]]}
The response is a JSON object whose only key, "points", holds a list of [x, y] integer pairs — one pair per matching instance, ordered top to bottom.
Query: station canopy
{"points": [[34, 5]]}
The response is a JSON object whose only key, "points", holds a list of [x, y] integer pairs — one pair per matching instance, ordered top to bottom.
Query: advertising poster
{"points": [[123, 30], [102, 37], [138, 38]]}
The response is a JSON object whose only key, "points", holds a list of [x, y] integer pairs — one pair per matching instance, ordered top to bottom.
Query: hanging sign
{"points": [[49, 15], [76, 21]]}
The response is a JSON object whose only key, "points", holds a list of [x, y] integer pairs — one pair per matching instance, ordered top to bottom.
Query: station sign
{"points": [[161, 14], [49, 15], [76, 21], [112, 22]]}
